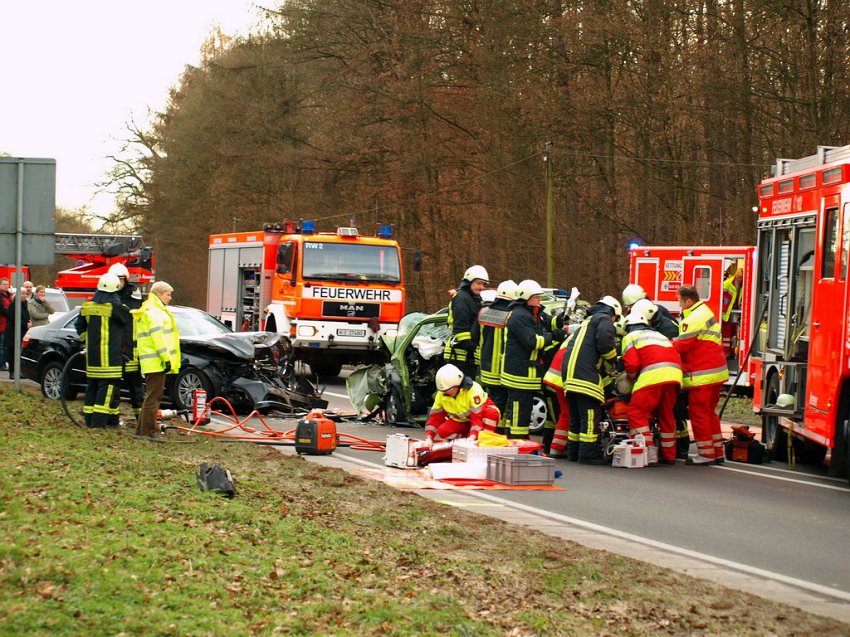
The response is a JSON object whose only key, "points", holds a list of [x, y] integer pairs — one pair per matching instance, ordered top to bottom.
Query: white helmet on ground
{"points": [[119, 270], [476, 272], [108, 282], [528, 288], [507, 289], [633, 293], [613, 303], [645, 307], [636, 318], [620, 325], [448, 376]]}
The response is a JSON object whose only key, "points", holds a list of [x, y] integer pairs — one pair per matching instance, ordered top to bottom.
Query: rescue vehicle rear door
{"points": [[706, 275]]}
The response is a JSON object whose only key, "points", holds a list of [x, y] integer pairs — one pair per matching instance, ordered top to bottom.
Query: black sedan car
{"points": [[250, 369]]}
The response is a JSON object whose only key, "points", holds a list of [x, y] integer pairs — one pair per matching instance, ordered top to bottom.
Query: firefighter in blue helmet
{"points": [[461, 348]]}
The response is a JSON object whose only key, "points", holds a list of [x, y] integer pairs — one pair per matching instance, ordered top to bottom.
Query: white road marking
{"points": [[795, 480]]}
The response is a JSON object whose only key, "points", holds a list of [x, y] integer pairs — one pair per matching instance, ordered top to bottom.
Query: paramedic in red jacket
{"points": [[655, 368], [704, 371], [461, 408]]}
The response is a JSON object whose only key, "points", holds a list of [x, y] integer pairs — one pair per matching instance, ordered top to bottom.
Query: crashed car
{"points": [[252, 370], [403, 390]]}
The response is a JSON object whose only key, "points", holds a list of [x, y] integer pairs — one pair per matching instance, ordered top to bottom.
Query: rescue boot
{"points": [[548, 436], [682, 447], [572, 451], [590, 453]]}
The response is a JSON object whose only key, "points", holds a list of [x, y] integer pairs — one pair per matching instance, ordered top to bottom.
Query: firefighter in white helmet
{"points": [[131, 299], [101, 323], [491, 327], [527, 335], [461, 348], [588, 351], [654, 367], [461, 407]]}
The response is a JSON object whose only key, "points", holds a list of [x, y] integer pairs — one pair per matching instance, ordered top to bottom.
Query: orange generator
{"points": [[315, 435]]}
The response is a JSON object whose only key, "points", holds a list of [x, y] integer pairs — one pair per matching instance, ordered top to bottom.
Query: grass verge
{"points": [[107, 534]]}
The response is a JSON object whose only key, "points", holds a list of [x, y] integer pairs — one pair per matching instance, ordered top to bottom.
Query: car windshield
{"points": [[350, 262], [192, 322]]}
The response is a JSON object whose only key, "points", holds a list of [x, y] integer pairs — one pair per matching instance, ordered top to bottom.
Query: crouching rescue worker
{"points": [[101, 323], [526, 336], [461, 348], [588, 350], [159, 351], [653, 366], [461, 408]]}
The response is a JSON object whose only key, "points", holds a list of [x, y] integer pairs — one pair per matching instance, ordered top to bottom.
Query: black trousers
{"points": [[520, 402], [100, 407], [584, 415]]}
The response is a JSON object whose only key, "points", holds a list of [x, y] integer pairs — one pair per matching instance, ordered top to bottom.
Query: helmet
{"points": [[119, 270], [476, 272], [108, 283], [528, 288], [507, 289], [633, 293], [613, 303], [645, 307], [636, 318], [620, 325], [448, 376]]}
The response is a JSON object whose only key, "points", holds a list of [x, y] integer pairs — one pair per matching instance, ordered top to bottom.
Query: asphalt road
{"points": [[790, 522]]}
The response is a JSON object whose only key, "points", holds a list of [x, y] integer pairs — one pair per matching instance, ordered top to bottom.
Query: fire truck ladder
{"points": [[112, 245]]}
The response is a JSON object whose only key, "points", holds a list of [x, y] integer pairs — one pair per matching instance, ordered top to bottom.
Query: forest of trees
{"points": [[432, 115]]}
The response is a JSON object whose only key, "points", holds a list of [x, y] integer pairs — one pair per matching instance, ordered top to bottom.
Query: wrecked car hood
{"points": [[239, 344]]}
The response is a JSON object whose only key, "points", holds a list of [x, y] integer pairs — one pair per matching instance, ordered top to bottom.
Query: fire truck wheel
{"points": [[326, 370], [188, 380], [51, 382], [394, 412], [773, 434], [839, 462]]}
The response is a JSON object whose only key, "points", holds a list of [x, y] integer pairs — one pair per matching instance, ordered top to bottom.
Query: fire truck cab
{"points": [[661, 270], [333, 294], [802, 356]]}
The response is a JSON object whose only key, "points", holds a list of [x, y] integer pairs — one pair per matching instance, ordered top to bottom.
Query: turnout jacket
{"points": [[131, 299], [463, 316], [492, 320], [101, 322], [664, 322], [156, 337], [526, 337], [699, 344], [587, 350], [650, 357], [467, 406]]}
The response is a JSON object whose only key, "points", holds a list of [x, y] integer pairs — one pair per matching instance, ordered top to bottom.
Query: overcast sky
{"points": [[74, 71]]}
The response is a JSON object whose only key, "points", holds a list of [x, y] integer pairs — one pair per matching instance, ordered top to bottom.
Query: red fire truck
{"points": [[94, 253], [661, 270], [11, 272], [333, 294], [802, 357]]}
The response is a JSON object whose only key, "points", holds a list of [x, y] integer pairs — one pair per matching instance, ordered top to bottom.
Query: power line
{"points": [[682, 162]]}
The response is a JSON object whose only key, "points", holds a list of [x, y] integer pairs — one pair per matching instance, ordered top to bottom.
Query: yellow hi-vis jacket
{"points": [[156, 336], [699, 345], [651, 357]]}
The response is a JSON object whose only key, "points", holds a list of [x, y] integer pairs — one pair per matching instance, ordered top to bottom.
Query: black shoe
{"points": [[592, 460], [663, 461], [720, 461]]}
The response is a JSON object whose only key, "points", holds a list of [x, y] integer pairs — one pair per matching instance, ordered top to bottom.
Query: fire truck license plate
{"points": [[351, 332]]}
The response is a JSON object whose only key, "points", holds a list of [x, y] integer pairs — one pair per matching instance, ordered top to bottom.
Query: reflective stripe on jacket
{"points": [[730, 297], [463, 314], [102, 321], [491, 321], [157, 338], [525, 339], [699, 344], [587, 350], [651, 358], [467, 406]]}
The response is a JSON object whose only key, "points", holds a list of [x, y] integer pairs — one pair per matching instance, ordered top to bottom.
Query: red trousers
{"points": [[658, 400], [702, 408], [562, 426], [449, 429]]}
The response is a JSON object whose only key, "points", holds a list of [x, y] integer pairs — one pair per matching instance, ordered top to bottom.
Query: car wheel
{"points": [[326, 370], [52, 382], [186, 382], [394, 410], [539, 412]]}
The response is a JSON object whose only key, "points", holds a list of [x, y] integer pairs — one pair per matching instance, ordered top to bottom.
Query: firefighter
{"points": [[131, 299], [731, 301], [463, 314], [661, 320], [101, 323], [491, 327], [526, 336], [592, 346], [159, 351], [654, 367], [704, 372], [553, 384], [461, 407]]}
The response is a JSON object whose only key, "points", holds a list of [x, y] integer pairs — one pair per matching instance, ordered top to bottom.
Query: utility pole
{"points": [[550, 250]]}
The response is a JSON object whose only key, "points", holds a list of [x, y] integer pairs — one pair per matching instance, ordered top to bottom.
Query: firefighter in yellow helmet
{"points": [[101, 323], [461, 348]]}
